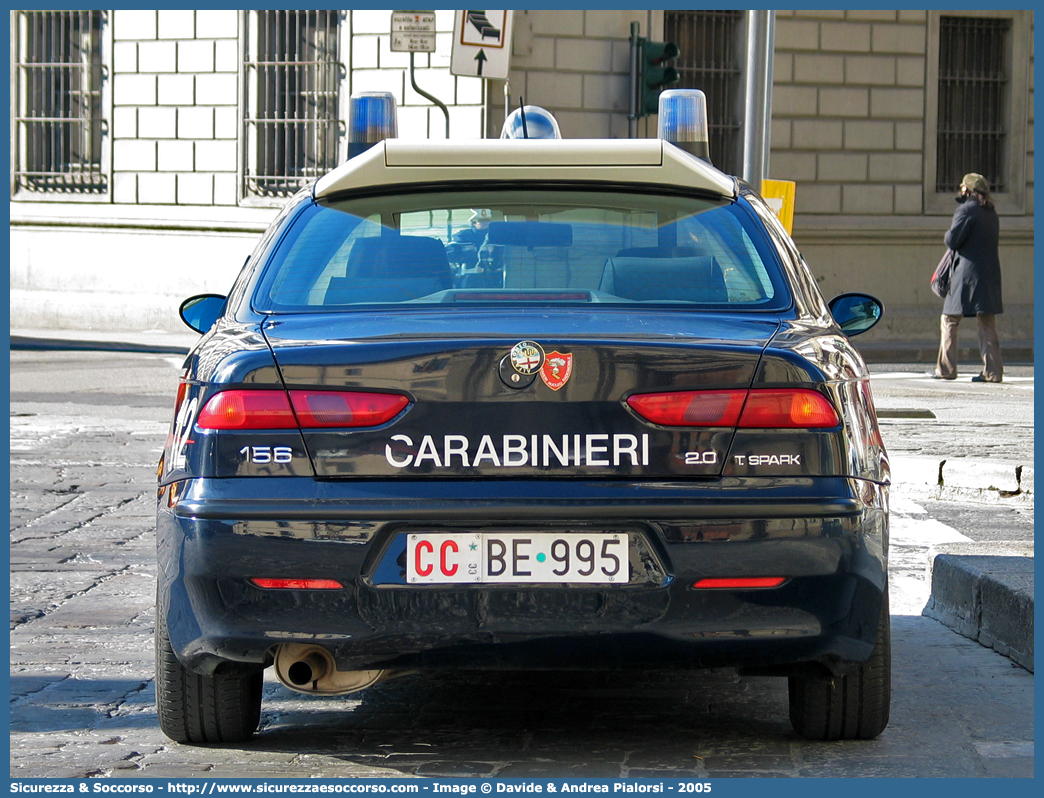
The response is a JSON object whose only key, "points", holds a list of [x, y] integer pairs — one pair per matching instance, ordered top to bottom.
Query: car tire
{"points": [[850, 707], [192, 708]]}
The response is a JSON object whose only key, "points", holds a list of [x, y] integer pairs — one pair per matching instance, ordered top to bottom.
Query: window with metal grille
{"points": [[711, 48], [293, 74], [973, 92], [58, 124]]}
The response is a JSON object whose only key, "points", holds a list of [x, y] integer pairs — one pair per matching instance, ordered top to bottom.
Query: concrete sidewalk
{"points": [[984, 592]]}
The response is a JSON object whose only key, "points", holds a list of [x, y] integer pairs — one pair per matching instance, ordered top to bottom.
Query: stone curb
{"points": [[145, 341], [20, 342], [958, 479], [984, 591]]}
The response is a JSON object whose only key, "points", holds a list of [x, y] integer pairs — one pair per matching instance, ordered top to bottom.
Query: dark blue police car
{"points": [[537, 403]]}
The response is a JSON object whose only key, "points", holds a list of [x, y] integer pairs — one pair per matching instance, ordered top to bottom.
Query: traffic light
{"points": [[655, 75]]}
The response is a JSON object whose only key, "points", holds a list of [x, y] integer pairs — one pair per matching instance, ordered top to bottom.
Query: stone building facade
{"points": [[181, 189]]}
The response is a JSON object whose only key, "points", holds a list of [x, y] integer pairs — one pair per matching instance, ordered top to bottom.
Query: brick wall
{"points": [[575, 64], [176, 92], [848, 110], [175, 118], [1030, 120], [848, 126]]}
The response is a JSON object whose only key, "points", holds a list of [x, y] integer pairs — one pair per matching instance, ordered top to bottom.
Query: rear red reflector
{"points": [[346, 408], [690, 408], [765, 408], [796, 408], [247, 410], [298, 584], [739, 584]]}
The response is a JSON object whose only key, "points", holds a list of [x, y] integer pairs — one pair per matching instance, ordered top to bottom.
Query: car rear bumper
{"points": [[827, 536]]}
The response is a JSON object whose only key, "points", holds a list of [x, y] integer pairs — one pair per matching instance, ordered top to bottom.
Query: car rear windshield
{"points": [[522, 245]]}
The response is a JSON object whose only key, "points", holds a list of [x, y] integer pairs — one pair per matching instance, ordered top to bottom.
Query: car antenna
{"points": [[522, 110]]}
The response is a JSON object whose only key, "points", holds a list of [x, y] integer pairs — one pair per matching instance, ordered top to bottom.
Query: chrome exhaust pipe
{"points": [[311, 669]]}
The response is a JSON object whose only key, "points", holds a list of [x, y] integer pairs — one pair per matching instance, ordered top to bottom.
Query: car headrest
{"points": [[398, 256], [665, 279]]}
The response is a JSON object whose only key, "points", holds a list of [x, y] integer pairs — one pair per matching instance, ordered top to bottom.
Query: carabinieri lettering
{"points": [[512, 451]]}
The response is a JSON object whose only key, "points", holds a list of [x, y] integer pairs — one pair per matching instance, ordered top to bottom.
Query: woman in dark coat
{"points": [[975, 288]]}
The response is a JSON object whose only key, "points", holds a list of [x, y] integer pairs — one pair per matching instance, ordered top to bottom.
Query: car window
{"points": [[530, 246]]}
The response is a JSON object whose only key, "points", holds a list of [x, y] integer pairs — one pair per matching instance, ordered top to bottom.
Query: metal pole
{"points": [[426, 96], [632, 104], [485, 109], [757, 120], [766, 120]]}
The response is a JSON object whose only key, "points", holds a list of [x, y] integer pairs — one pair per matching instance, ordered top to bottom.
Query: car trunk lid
{"points": [[474, 413]]}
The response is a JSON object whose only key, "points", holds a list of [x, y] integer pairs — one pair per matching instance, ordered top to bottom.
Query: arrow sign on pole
{"points": [[482, 44]]}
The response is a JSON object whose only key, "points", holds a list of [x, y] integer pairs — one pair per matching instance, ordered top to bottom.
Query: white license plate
{"points": [[516, 557]]}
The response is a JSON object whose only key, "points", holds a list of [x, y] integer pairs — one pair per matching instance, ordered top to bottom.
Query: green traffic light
{"points": [[656, 52], [655, 74]]}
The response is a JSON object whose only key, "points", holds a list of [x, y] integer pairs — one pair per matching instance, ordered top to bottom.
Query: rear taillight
{"points": [[346, 408], [690, 408], [764, 408], [794, 408], [236, 410], [247, 410]]}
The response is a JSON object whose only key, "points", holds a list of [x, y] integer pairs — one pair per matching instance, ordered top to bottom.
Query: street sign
{"points": [[413, 32], [482, 44]]}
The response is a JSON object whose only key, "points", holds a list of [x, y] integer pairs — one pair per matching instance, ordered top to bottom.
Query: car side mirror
{"points": [[201, 311], [856, 313]]}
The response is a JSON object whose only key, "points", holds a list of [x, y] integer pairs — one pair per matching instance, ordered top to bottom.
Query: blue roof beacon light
{"points": [[372, 117], [683, 121], [530, 122]]}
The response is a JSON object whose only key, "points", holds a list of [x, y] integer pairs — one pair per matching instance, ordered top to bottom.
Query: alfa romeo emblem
{"points": [[526, 357], [557, 369]]}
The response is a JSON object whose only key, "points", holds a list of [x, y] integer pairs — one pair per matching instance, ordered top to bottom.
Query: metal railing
{"points": [[711, 47], [293, 72], [973, 88], [58, 124]]}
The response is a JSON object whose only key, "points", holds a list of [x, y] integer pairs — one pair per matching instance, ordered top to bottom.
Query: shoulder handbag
{"points": [[943, 272]]}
